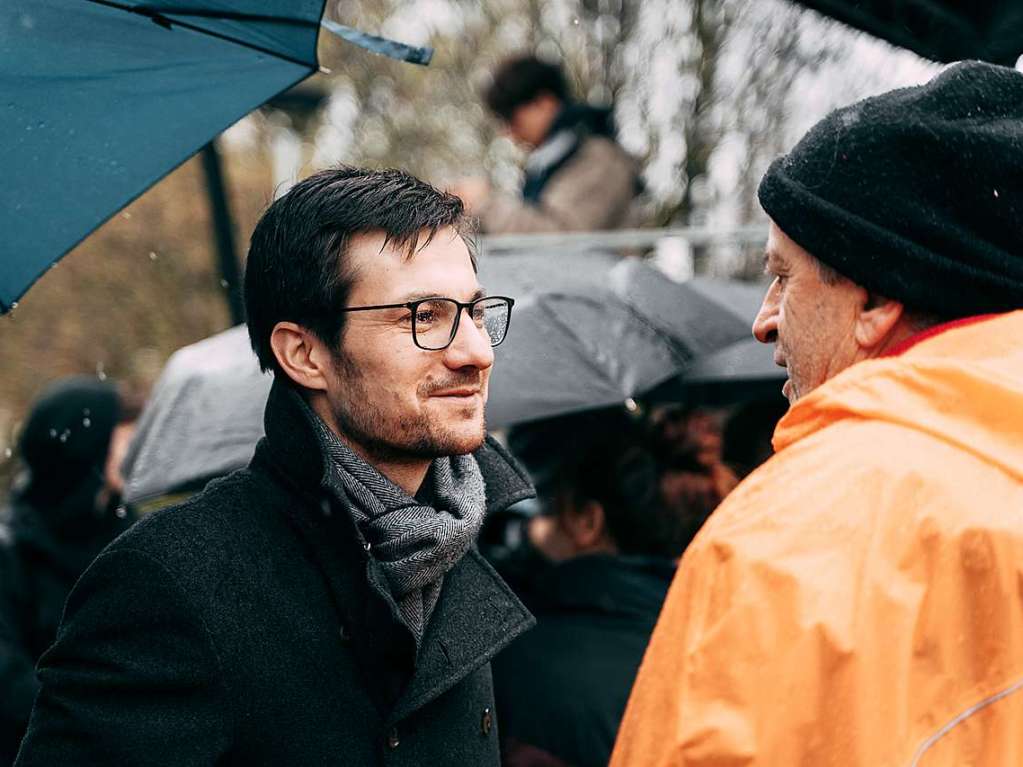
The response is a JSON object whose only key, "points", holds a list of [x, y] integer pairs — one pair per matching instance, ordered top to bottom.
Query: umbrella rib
{"points": [[156, 15]]}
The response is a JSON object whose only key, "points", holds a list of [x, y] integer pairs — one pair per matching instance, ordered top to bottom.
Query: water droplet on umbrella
{"points": [[996, 193], [126, 214], [152, 255], [224, 283], [14, 305], [100, 372], [86, 411], [86, 422], [53, 433], [63, 436], [8, 453], [121, 512]]}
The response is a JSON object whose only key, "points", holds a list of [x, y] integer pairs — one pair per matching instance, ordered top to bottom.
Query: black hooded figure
{"points": [[62, 512]]}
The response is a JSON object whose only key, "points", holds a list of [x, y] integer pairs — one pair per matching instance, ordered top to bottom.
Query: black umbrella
{"points": [[942, 30], [100, 99], [568, 352]]}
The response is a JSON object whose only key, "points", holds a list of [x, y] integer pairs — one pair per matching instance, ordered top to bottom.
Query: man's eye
{"points": [[425, 316]]}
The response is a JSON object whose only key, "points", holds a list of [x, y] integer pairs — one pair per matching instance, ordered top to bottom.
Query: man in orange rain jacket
{"points": [[858, 600]]}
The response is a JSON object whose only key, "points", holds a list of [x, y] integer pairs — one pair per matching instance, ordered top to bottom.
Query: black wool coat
{"points": [[250, 626]]}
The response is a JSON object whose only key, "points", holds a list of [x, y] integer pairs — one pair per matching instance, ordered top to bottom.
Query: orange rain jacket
{"points": [[858, 600]]}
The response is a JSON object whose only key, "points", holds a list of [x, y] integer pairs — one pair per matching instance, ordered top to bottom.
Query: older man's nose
{"points": [[765, 326]]}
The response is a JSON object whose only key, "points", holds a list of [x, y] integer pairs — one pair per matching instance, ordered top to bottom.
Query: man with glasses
{"points": [[326, 605]]}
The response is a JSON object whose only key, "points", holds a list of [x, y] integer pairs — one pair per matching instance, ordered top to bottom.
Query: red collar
{"points": [[923, 335]]}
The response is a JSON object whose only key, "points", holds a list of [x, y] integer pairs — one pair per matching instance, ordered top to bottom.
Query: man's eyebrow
{"points": [[771, 258], [420, 295]]}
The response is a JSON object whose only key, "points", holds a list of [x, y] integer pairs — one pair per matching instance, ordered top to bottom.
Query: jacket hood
{"points": [[963, 386]]}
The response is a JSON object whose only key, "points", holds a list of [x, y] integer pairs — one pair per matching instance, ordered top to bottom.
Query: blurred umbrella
{"points": [[941, 30], [101, 99], [525, 274], [697, 315], [568, 352], [739, 371], [742, 371], [202, 420]]}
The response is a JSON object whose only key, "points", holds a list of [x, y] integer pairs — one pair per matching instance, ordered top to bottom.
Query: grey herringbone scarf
{"points": [[415, 543]]}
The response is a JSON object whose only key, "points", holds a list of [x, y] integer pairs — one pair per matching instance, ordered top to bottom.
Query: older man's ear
{"points": [[880, 323]]}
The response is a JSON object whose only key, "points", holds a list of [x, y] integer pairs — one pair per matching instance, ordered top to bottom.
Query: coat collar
{"points": [[477, 614]]}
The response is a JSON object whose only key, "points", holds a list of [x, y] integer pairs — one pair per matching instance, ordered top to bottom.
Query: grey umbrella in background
{"points": [[568, 352], [203, 418]]}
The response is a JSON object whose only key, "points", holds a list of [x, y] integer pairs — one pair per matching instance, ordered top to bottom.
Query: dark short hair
{"points": [[521, 79], [296, 270], [607, 456]]}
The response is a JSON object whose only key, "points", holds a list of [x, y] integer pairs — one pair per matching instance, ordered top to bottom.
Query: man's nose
{"points": [[765, 326], [470, 347]]}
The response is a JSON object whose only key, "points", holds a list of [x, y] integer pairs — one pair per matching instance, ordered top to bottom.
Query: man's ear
{"points": [[877, 319], [303, 357]]}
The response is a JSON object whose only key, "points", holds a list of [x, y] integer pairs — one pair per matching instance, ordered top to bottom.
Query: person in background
{"points": [[577, 177], [690, 444], [64, 509], [607, 545], [856, 600]]}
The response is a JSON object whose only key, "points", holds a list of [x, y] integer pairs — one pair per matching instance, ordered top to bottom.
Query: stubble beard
{"points": [[387, 437]]}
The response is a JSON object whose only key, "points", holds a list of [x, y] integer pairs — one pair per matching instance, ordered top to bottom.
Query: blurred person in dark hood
{"points": [[577, 177], [65, 507], [602, 554]]}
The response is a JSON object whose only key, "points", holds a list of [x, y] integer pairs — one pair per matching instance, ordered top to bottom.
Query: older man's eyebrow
{"points": [[772, 261]]}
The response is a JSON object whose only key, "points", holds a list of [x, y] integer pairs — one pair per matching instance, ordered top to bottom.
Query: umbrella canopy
{"points": [[941, 30], [102, 99], [567, 352], [202, 420]]}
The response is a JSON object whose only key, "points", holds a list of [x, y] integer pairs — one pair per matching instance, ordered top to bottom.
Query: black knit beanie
{"points": [[916, 194], [67, 434]]}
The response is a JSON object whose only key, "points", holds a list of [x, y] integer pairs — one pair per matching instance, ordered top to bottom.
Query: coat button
{"points": [[488, 721], [392, 738]]}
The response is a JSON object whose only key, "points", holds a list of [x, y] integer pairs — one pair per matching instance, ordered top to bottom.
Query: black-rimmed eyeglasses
{"points": [[434, 321]]}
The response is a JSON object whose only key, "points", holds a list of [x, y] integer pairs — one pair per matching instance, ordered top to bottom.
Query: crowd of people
{"points": [[387, 583]]}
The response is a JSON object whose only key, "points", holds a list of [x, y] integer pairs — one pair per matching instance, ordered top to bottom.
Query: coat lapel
{"points": [[476, 616]]}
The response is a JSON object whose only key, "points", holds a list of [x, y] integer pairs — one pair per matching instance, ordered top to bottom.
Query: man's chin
{"points": [[466, 441]]}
